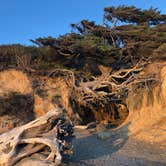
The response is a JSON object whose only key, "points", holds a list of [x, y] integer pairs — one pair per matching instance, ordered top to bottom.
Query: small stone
{"points": [[91, 125], [104, 135]]}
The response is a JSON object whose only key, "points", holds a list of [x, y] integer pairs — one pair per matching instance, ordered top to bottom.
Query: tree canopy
{"points": [[127, 35]]}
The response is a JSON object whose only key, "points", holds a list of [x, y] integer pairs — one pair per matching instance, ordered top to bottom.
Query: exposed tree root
{"points": [[105, 95]]}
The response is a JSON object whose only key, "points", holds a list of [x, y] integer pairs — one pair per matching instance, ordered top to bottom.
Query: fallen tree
{"points": [[52, 130]]}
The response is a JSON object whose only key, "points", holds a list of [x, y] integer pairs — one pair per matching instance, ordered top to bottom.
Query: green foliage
{"points": [[131, 14], [141, 35]]}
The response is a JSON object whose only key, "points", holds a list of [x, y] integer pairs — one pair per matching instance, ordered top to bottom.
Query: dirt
{"points": [[14, 81], [16, 100], [118, 150]]}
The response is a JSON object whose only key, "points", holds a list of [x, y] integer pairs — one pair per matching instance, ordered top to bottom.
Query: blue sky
{"points": [[21, 20]]}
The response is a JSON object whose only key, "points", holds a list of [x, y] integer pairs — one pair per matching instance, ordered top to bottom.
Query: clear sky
{"points": [[21, 20]]}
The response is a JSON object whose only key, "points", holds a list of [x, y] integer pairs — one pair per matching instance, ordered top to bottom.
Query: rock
{"points": [[91, 125], [104, 135]]}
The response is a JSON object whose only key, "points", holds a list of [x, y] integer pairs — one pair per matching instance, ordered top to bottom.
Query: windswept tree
{"points": [[131, 14], [127, 35]]}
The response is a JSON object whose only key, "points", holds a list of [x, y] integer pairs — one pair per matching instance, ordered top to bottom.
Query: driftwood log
{"points": [[48, 133]]}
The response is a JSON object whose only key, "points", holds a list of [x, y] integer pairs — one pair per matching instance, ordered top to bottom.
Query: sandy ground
{"points": [[117, 150]]}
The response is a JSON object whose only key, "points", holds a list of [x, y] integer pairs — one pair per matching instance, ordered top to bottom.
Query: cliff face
{"points": [[14, 81], [51, 93], [23, 98], [16, 100], [21, 101], [147, 109]]}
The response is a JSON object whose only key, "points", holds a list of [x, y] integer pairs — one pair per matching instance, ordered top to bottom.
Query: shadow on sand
{"points": [[91, 147]]}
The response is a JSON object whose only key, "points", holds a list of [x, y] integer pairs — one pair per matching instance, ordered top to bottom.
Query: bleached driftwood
{"points": [[46, 131]]}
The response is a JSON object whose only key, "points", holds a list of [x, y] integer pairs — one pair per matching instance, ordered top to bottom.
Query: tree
{"points": [[131, 14]]}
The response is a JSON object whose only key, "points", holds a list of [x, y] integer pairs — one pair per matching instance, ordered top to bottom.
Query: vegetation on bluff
{"points": [[127, 35]]}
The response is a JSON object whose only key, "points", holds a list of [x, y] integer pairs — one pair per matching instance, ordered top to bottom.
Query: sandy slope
{"points": [[14, 81]]}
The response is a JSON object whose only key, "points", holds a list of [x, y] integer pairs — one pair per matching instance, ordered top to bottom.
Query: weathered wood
{"points": [[46, 131]]}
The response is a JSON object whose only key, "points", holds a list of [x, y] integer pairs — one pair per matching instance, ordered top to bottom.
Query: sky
{"points": [[22, 20]]}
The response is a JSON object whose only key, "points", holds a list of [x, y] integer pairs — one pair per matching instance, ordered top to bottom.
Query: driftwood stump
{"points": [[47, 133]]}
